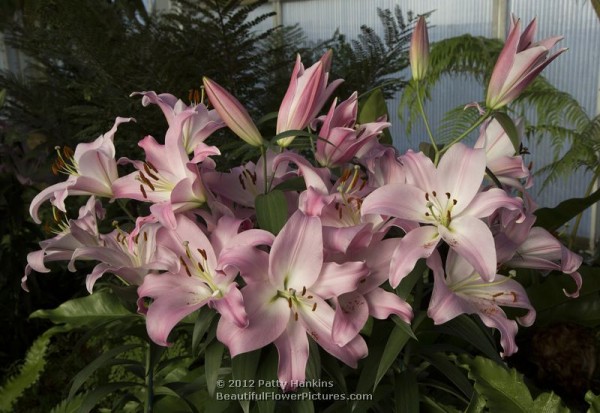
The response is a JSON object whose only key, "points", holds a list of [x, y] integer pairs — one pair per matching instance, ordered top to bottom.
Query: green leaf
{"points": [[596, 6], [373, 108], [509, 127], [293, 184], [271, 211], [553, 218], [407, 284], [552, 304], [87, 312], [201, 325], [466, 328], [396, 342], [103, 360], [212, 363], [243, 367], [267, 372], [29, 373], [455, 375], [504, 390], [407, 392], [95, 396], [593, 401], [549, 403], [303, 405], [476, 405], [69, 406]]}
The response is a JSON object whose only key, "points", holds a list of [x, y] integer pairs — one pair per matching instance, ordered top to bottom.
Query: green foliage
{"points": [[370, 61], [373, 108], [559, 118], [271, 211], [554, 218], [91, 311], [30, 372], [504, 390]]}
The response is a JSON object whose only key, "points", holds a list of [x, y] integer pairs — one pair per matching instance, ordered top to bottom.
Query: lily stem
{"points": [[426, 121], [465, 133], [263, 153], [124, 208], [149, 380]]}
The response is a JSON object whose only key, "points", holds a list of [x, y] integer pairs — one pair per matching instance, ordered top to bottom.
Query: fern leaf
{"points": [[29, 374]]}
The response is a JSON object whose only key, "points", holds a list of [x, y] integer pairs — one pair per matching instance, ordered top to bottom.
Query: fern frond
{"points": [[29, 374]]}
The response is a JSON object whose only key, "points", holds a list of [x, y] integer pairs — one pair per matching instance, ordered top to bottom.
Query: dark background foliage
{"points": [[85, 57]]}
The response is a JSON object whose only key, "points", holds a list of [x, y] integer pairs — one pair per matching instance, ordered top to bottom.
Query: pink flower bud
{"points": [[419, 50], [232, 112]]}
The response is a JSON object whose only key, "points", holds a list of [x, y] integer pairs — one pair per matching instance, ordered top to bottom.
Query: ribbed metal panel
{"points": [[320, 19], [576, 72]]}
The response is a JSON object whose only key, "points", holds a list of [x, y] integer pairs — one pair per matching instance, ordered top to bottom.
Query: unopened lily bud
{"points": [[419, 50], [232, 112]]}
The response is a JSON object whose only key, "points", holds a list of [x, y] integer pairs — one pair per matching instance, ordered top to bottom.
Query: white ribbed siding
{"points": [[576, 72]]}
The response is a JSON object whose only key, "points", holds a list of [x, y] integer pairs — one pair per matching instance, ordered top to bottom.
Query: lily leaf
{"points": [[372, 109], [271, 211], [553, 218], [89, 311]]}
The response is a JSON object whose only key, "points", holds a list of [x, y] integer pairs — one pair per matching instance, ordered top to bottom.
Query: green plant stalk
{"points": [[426, 121], [465, 133], [263, 153], [589, 190], [121, 204], [149, 381]]}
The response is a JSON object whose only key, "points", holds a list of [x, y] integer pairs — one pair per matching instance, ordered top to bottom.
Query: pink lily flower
{"points": [[419, 50], [519, 64], [307, 93], [232, 112], [196, 128], [341, 139], [500, 156], [92, 169], [167, 178], [244, 183], [449, 202], [73, 235], [542, 251], [129, 257], [198, 281], [464, 291], [285, 300], [353, 309]]}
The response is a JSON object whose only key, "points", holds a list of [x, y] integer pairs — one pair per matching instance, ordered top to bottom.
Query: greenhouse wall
{"points": [[576, 72]]}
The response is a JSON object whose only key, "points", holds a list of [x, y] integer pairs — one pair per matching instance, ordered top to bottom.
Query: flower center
{"points": [[65, 162], [152, 180], [247, 181], [349, 209], [439, 211], [197, 265], [296, 299]]}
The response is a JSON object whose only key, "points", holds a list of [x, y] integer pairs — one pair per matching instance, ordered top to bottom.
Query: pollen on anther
{"points": [[143, 191], [433, 193], [448, 195], [426, 196], [454, 202], [202, 252], [303, 291], [309, 297], [290, 302], [314, 307], [295, 316]]}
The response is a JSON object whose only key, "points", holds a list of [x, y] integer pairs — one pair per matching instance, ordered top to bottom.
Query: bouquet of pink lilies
{"points": [[309, 244]]}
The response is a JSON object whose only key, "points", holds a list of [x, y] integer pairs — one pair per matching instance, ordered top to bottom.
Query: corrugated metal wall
{"points": [[576, 72]]}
